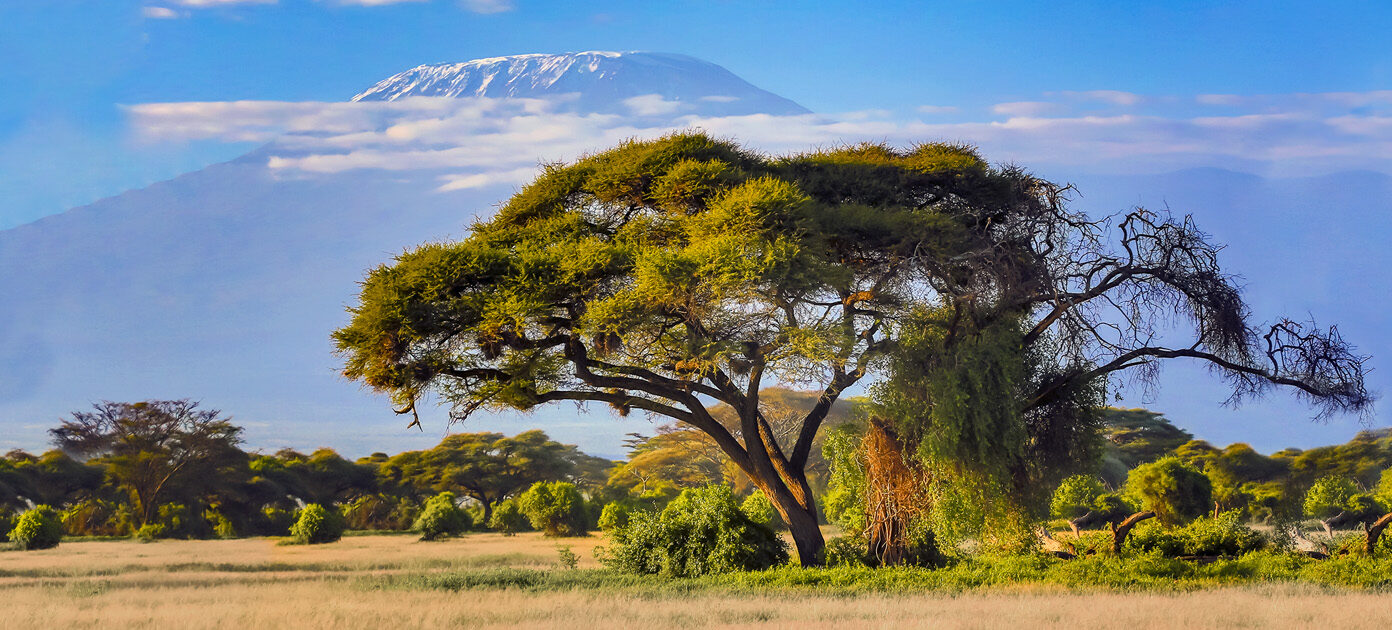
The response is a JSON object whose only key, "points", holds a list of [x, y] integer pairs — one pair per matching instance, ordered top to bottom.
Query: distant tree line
{"points": [[171, 469]]}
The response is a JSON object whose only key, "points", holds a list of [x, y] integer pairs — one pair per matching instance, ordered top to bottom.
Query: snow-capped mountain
{"points": [[610, 82], [223, 284]]}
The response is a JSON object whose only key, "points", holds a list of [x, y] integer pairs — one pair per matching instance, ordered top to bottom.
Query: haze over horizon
{"points": [[1291, 171]]}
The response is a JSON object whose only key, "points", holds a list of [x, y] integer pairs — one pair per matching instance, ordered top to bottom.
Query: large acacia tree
{"points": [[675, 275]]}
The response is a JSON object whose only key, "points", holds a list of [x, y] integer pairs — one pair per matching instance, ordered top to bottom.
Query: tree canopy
{"points": [[675, 275], [154, 446]]}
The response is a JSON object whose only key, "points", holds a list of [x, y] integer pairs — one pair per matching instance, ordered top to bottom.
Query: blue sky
{"points": [[70, 65], [105, 96]]}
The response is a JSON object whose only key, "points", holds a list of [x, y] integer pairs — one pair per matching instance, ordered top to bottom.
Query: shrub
{"points": [[1177, 492], [1076, 496], [1329, 496], [556, 508], [759, 509], [615, 515], [440, 518], [507, 518], [7, 521], [317, 525], [222, 526], [38, 528], [703, 531], [1224, 535], [851, 550]]}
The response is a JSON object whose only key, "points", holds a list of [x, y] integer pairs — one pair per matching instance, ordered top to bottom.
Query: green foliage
{"points": [[1177, 492], [1383, 492], [1076, 496], [1329, 496], [843, 502], [556, 508], [760, 510], [380, 511], [614, 516], [97, 517], [440, 517], [507, 518], [7, 522], [317, 524], [221, 525], [40, 527], [703, 531], [1224, 535], [567, 557]]}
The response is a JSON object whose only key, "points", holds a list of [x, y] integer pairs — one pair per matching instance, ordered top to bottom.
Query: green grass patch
{"points": [[1150, 573]]}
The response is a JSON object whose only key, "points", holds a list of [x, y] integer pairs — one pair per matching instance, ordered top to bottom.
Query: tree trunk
{"points": [[487, 512], [802, 522], [1119, 532], [1375, 532], [807, 536]]}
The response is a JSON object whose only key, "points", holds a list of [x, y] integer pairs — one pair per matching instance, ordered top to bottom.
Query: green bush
{"points": [[1176, 491], [1076, 496], [1329, 496], [556, 508], [759, 509], [614, 516], [440, 518], [507, 518], [7, 521], [317, 525], [38, 528], [703, 531], [1206, 536], [851, 550]]}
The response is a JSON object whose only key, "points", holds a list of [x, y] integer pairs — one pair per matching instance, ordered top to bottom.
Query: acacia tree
{"points": [[675, 275], [154, 446], [487, 467]]}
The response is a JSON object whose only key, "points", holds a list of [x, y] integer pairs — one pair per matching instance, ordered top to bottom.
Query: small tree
{"points": [[154, 446], [1175, 491], [1083, 501], [1338, 501], [555, 508], [441, 517], [507, 519], [317, 525], [38, 528]]}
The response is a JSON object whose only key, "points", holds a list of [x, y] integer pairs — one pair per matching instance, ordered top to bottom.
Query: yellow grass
{"points": [[257, 584]]}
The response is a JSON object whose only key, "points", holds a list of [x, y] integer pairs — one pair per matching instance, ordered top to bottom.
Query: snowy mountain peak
{"points": [[596, 82]]}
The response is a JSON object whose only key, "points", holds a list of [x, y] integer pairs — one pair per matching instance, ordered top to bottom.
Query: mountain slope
{"points": [[596, 82]]}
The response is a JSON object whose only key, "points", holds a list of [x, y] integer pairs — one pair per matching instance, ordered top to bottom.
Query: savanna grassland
{"points": [[486, 580]]}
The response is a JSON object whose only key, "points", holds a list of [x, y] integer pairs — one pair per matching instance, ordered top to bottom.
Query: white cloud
{"points": [[487, 7], [159, 13], [1111, 97], [720, 99], [651, 105], [1025, 108], [478, 141]]}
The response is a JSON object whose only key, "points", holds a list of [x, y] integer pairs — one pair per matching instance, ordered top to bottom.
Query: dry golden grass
{"points": [[256, 584]]}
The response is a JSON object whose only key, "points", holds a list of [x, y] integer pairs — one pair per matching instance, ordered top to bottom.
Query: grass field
{"points": [[395, 581]]}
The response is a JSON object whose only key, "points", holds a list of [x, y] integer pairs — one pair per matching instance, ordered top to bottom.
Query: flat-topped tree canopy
{"points": [[675, 274]]}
